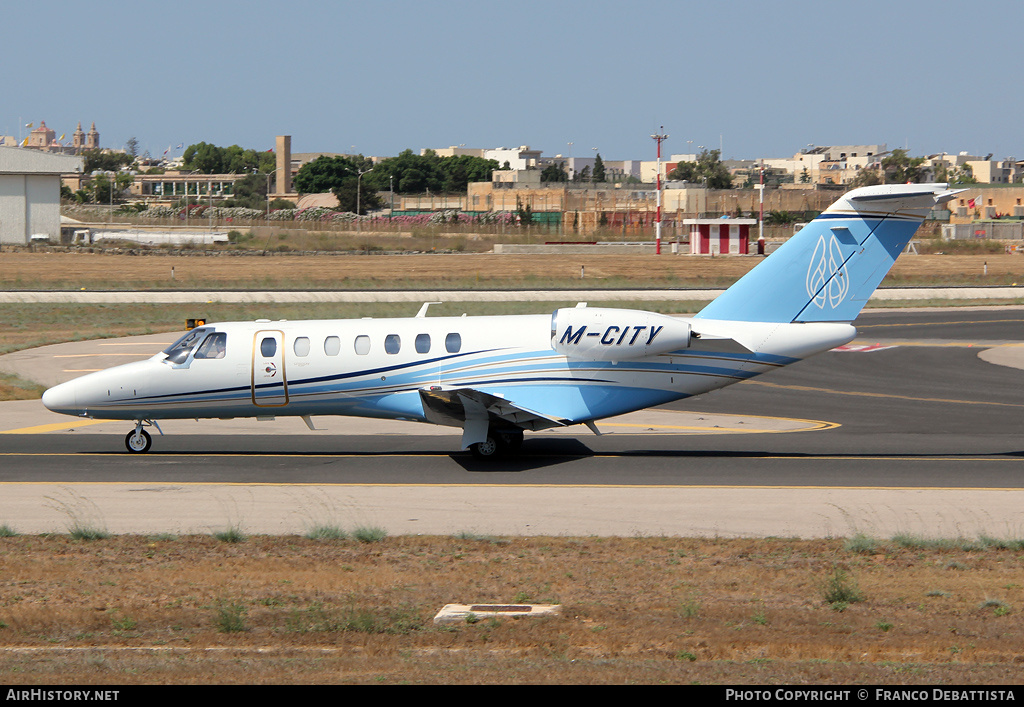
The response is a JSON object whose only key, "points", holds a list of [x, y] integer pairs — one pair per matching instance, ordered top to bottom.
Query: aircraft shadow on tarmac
{"points": [[535, 454], [540, 455]]}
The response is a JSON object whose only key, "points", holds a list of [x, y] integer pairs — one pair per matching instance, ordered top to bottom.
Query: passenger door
{"points": [[269, 386]]}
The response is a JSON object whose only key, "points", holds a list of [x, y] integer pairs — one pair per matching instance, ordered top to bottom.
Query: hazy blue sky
{"points": [[764, 79]]}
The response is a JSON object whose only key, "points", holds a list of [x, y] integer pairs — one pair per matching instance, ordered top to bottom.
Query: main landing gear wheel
{"points": [[138, 441], [498, 444], [488, 449]]}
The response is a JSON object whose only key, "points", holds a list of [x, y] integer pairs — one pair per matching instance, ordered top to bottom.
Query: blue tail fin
{"points": [[829, 269]]}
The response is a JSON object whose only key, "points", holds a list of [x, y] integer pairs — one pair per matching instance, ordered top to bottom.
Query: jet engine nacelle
{"points": [[596, 334]]}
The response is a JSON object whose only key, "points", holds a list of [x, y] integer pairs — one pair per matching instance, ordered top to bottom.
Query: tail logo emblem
{"points": [[827, 266]]}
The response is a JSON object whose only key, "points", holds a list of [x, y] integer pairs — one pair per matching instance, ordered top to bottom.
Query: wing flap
{"points": [[475, 411]]}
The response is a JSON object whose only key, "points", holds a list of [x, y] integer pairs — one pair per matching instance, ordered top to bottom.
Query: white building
{"points": [[454, 151], [517, 157], [832, 164], [649, 168], [984, 169], [30, 193]]}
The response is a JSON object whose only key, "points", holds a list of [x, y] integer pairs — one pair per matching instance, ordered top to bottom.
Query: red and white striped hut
{"points": [[719, 236]]}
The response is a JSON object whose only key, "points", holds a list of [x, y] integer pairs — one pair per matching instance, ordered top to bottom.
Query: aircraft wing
{"points": [[475, 411]]}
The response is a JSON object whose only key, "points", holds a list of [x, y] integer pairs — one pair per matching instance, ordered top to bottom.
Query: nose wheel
{"points": [[138, 441]]}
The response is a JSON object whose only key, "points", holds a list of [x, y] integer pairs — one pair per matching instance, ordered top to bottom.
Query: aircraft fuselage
{"points": [[377, 368]]}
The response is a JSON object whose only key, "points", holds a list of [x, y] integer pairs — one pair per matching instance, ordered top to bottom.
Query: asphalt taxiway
{"points": [[916, 428]]}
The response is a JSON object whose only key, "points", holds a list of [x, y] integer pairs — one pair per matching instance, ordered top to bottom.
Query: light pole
{"points": [[659, 138], [194, 171], [267, 175], [359, 182], [268, 198], [696, 207], [760, 217]]}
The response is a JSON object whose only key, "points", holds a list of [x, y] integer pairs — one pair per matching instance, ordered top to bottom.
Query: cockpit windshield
{"points": [[214, 346], [180, 349]]}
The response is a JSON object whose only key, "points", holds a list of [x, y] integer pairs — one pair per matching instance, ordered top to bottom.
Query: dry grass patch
{"points": [[23, 270], [16, 388], [291, 609]]}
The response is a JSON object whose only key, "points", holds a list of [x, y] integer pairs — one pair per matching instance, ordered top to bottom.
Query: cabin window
{"points": [[392, 343], [423, 343], [453, 343], [362, 344], [332, 345], [215, 346], [301, 346], [268, 347], [180, 349]]}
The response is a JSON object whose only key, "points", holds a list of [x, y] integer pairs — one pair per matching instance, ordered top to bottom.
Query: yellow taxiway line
{"points": [[53, 427]]}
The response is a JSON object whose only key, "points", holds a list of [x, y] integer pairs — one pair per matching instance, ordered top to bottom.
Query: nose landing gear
{"points": [[138, 441]]}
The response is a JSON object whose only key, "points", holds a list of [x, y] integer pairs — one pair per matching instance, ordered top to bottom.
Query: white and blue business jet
{"points": [[495, 377]]}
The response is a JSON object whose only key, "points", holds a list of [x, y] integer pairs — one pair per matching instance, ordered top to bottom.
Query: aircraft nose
{"points": [[61, 398]]}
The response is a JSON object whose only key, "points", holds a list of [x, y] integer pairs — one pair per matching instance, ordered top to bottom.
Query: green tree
{"points": [[204, 158], [97, 159], [211, 159], [900, 168], [413, 170], [460, 170], [707, 170], [599, 172], [684, 172], [409, 173], [554, 173], [324, 174], [959, 174], [341, 177], [867, 178], [413, 181], [122, 182], [102, 186], [109, 188], [250, 192], [356, 197], [525, 213], [780, 218]]}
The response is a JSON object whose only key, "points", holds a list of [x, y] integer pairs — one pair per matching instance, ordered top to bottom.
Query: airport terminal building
{"points": [[30, 194]]}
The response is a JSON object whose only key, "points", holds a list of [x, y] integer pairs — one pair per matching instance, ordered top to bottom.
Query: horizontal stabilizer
{"points": [[929, 196], [719, 343]]}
